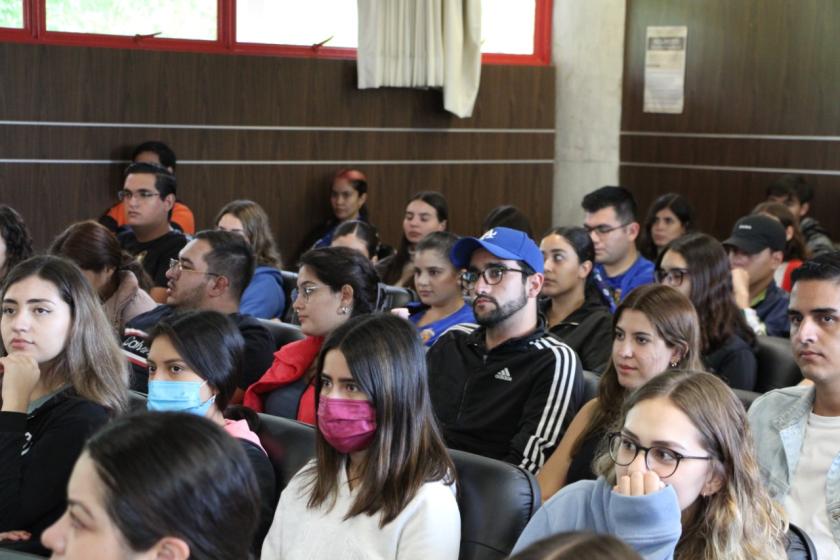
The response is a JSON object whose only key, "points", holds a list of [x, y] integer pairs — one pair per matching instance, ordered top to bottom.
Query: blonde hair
{"points": [[91, 361], [740, 521]]}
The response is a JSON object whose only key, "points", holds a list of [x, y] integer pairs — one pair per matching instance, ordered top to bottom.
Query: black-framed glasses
{"points": [[126, 194], [603, 229], [178, 266], [492, 275], [671, 276], [661, 460]]}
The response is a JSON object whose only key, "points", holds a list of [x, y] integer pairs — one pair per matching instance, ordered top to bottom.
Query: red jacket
{"points": [[290, 364]]}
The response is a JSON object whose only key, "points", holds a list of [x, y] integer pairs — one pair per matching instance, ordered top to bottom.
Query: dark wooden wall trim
{"points": [[762, 83], [101, 102]]}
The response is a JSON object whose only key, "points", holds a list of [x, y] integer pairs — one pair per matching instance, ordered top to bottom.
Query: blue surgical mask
{"points": [[178, 396]]}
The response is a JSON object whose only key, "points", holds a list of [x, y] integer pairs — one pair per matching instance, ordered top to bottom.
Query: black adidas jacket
{"points": [[512, 403]]}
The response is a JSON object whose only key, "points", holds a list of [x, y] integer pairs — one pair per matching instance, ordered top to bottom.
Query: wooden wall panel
{"points": [[762, 83], [102, 102]]}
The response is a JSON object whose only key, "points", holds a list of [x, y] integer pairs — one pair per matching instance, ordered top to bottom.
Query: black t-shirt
{"points": [[154, 255]]}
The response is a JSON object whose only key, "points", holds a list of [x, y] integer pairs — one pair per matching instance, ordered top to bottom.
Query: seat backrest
{"points": [[289, 286], [392, 297], [282, 333], [776, 366], [590, 385], [136, 401], [290, 445], [496, 501], [800, 546]]}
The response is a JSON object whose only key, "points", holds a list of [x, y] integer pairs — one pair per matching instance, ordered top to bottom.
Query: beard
{"points": [[500, 313]]}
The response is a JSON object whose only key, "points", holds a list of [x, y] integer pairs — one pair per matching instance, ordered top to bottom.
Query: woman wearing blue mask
{"points": [[194, 358], [382, 483]]}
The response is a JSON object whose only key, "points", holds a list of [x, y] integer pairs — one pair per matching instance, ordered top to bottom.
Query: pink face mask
{"points": [[347, 424]]}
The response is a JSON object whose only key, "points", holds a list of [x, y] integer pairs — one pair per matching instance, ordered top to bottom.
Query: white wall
{"points": [[588, 51]]}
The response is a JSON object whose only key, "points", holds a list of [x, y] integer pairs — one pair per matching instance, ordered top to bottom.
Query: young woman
{"points": [[426, 212], [669, 217], [358, 235], [15, 241], [796, 251], [697, 266], [118, 278], [334, 284], [439, 288], [264, 296], [572, 308], [655, 328], [194, 359], [63, 376], [680, 479], [382, 483], [162, 485]]}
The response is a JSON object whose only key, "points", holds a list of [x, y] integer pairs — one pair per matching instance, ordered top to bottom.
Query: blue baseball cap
{"points": [[502, 242]]}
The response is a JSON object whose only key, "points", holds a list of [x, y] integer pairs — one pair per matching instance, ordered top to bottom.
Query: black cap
{"points": [[753, 234]]}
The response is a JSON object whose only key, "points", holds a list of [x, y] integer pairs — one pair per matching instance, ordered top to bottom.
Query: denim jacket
{"points": [[778, 421]]}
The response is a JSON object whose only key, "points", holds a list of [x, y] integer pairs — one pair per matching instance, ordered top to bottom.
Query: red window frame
{"points": [[35, 31]]}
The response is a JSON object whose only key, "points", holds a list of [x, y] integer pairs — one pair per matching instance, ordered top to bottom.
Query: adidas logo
{"points": [[504, 375]]}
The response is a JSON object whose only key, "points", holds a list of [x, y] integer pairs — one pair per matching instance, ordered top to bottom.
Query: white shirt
{"points": [[805, 503], [429, 527]]}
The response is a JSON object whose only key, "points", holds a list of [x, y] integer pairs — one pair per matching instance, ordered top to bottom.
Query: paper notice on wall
{"points": [[665, 69]]}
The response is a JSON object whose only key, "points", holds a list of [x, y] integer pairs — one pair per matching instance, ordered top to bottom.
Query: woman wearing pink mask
{"points": [[382, 483]]}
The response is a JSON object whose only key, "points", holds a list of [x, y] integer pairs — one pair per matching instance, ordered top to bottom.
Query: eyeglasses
{"points": [[141, 195], [603, 229], [178, 266], [492, 275], [671, 276], [305, 293], [661, 460]]}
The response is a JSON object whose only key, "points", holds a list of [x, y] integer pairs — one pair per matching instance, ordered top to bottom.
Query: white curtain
{"points": [[422, 43]]}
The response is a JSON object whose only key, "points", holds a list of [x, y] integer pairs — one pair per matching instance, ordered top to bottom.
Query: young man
{"points": [[149, 194], [796, 194], [611, 222], [755, 251], [210, 273], [505, 389], [797, 429]]}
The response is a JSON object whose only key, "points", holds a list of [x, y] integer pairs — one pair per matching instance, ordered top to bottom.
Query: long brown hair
{"points": [[257, 228], [94, 247], [675, 320], [91, 361], [387, 361], [740, 521]]}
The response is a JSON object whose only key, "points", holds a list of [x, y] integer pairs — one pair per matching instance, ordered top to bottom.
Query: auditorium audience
{"points": [[795, 193], [149, 194], [426, 212], [669, 217], [611, 222], [360, 236], [15, 241], [756, 249], [795, 249], [697, 265], [210, 273], [120, 281], [333, 285], [438, 285], [264, 296], [571, 305], [655, 328], [194, 359], [62, 378], [507, 388], [796, 428], [679, 479], [382, 484], [169, 486], [578, 546]]}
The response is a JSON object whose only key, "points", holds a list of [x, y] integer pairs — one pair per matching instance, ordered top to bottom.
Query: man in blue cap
{"points": [[505, 388]]}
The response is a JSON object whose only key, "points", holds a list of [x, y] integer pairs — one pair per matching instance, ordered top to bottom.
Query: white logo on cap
{"points": [[489, 235]]}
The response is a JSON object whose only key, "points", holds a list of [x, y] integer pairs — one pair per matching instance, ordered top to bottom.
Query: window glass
{"points": [[11, 13], [177, 19], [297, 22], [507, 26]]}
